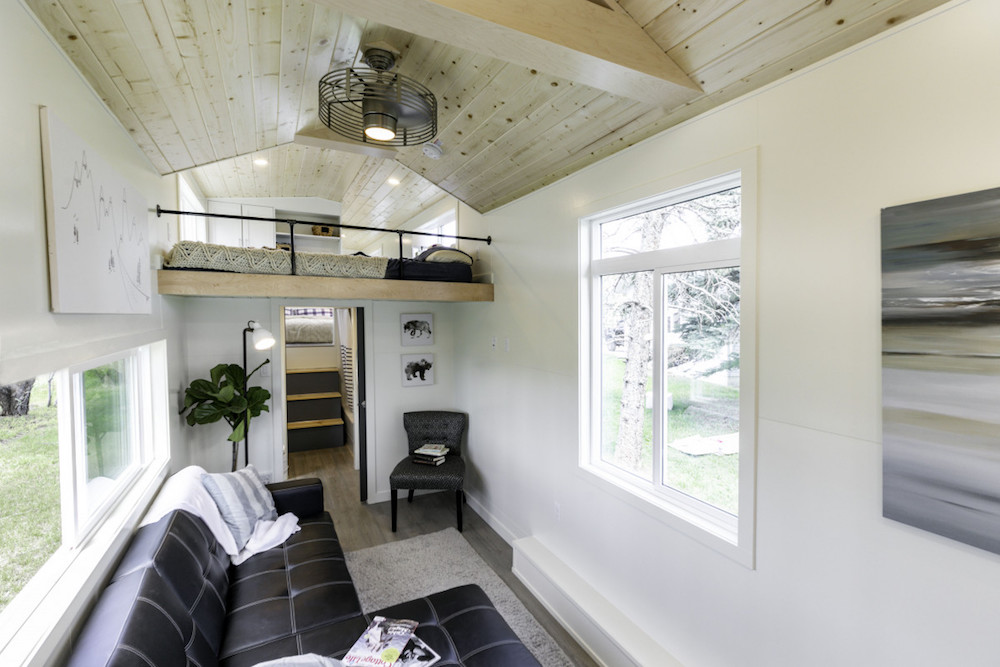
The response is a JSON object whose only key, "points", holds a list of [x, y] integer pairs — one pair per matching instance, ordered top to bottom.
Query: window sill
{"points": [[698, 526], [38, 624]]}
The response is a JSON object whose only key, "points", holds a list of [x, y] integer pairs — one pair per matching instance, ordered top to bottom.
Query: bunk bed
{"points": [[201, 269], [309, 326]]}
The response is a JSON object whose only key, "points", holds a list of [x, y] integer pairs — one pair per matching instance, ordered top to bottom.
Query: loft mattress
{"points": [[195, 255], [211, 257]]}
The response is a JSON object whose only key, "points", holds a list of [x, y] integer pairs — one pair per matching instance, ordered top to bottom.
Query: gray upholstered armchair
{"points": [[432, 426]]}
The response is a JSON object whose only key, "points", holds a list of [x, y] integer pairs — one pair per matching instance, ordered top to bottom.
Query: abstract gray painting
{"points": [[941, 366]]}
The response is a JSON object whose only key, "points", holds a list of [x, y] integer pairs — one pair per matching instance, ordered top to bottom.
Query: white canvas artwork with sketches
{"points": [[98, 229]]}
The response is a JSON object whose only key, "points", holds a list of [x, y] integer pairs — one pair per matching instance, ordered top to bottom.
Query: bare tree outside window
{"points": [[700, 325]]}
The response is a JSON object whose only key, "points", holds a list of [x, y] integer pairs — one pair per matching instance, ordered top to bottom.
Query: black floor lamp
{"points": [[262, 339]]}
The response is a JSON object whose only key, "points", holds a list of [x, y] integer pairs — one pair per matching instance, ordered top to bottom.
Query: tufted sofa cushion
{"points": [[299, 586], [166, 601], [464, 627]]}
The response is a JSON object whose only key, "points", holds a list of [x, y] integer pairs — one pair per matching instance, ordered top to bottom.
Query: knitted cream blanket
{"points": [[197, 255]]}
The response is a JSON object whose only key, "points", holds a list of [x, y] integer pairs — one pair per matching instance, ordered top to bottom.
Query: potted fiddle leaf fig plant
{"points": [[226, 396]]}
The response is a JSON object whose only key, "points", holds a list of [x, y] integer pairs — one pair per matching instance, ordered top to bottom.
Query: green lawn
{"points": [[709, 477], [29, 492]]}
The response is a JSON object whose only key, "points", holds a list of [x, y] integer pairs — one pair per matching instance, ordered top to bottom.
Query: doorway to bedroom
{"points": [[325, 409]]}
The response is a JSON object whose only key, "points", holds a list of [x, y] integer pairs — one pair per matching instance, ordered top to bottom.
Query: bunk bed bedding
{"points": [[194, 255], [309, 326], [303, 330]]}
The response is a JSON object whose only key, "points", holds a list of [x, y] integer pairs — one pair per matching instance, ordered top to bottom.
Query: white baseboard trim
{"points": [[495, 523], [597, 625]]}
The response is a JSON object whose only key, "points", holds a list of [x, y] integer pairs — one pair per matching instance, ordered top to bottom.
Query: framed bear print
{"points": [[418, 369]]}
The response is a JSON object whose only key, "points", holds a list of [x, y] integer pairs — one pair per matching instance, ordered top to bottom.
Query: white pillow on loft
{"points": [[438, 253]]}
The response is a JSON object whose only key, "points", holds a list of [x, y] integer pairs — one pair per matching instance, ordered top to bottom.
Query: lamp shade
{"points": [[260, 338]]}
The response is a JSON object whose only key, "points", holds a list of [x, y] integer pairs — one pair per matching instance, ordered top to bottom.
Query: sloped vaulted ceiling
{"points": [[529, 90]]}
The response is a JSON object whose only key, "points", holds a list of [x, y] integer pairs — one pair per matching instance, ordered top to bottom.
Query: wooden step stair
{"points": [[309, 397], [313, 409], [313, 423]]}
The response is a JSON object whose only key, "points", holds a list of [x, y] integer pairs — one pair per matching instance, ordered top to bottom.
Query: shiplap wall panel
{"points": [[644, 11], [55, 18], [264, 18], [681, 20], [296, 28], [806, 28], [230, 31], [731, 31], [333, 39], [118, 54], [200, 62], [164, 72], [212, 85], [517, 107], [484, 116], [538, 125], [579, 132], [518, 155]]}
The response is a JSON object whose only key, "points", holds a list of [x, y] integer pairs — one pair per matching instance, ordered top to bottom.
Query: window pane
{"points": [[707, 218], [701, 325], [627, 355], [108, 428], [30, 529]]}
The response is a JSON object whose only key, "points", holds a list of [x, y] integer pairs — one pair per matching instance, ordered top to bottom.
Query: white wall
{"points": [[910, 116], [389, 243], [212, 328], [34, 340], [387, 443]]}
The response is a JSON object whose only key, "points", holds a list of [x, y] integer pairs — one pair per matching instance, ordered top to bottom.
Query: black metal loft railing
{"points": [[292, 222]]}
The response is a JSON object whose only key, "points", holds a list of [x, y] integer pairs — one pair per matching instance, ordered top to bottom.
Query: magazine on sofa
{"points": [[382, 643], [417, 654]]}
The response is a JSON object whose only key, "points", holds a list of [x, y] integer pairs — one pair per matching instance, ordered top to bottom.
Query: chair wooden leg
{"points": [[409, 496], [459, 497], [393, 510]]}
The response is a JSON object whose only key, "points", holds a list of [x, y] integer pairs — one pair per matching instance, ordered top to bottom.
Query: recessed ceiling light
{"points": [[260, 162], [392, 180]]}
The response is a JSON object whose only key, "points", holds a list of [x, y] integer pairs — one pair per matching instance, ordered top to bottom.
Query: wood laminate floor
{"points": [[361, 525]]}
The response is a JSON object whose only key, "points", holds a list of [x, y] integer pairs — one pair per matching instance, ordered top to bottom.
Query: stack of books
{"points": [[430, 454], [388, 642]]}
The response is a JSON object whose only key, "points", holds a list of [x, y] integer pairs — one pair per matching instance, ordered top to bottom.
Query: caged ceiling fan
{"points": [[375, 105]]}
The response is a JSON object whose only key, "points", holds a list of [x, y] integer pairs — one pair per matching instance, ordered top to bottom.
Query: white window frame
{"points": [[446, 223], [192, 228], [78, 518], [731, 535], [38, 621]]}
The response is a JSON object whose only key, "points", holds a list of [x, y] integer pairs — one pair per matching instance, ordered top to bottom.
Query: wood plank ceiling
{"points": [[210, 86]]}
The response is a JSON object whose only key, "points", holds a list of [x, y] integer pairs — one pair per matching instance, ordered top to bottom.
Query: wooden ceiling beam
{"points": [[573, 39]]}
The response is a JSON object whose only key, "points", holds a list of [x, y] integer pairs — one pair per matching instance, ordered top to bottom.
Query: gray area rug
{"points": [[399, 571]]}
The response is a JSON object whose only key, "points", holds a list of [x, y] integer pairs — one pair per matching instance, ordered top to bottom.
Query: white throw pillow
{"points": [[442, 254], [184, 491], [242, 500]]}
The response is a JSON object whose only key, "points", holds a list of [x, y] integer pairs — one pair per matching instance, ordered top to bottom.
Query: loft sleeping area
{"points": [[315, 269]]}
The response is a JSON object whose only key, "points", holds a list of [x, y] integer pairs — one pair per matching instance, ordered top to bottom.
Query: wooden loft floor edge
{"points": [[210, 283]]}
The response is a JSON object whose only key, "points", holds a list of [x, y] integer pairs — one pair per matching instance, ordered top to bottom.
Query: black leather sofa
{"points": [[176, 600]]}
